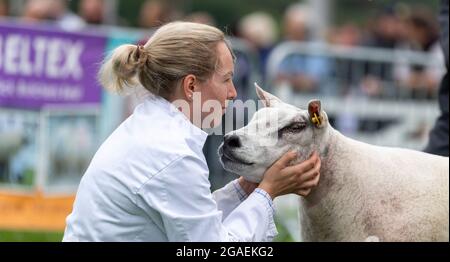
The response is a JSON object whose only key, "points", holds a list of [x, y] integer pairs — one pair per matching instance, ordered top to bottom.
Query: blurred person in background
{"points": [[4, 8], [37, 10], [52, 10], [92, 11], [155, 13], [65, 18], [201, 18], [260, 30], [384, 31], [348, 35], [422, 35], [303, 73], [343, 82], [439, 138]]}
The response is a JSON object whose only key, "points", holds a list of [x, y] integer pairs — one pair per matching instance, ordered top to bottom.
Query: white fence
{"points": [[396, 116]]}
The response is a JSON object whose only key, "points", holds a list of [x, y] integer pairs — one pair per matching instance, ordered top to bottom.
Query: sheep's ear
{"points": [[267, 98], [316, 115]]}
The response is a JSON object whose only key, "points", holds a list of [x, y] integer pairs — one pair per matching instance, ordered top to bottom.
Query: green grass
{"points": [[283, 234], [15, 236], [22, 236], [28, 236]]}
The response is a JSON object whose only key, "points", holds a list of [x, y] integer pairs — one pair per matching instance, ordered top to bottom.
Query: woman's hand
{"points": [[282, 179]]}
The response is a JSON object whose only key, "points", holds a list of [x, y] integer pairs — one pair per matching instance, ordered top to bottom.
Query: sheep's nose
{"points": [[232, 141]]}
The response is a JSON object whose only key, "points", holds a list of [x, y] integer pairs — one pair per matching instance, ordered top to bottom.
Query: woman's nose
{"points": [[232, 94]]}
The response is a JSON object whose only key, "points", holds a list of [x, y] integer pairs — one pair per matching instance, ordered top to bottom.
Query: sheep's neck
{"points": [[326, 147], [327, 152]]}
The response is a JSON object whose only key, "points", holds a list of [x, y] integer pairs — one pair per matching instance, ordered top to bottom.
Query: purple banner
{"points": [[47, 66]]}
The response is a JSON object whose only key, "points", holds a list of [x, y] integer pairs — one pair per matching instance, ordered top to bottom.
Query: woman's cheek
{"points": [[225, 92]]}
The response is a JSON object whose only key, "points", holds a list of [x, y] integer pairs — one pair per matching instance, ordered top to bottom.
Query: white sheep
{"points": [[366, 192]]}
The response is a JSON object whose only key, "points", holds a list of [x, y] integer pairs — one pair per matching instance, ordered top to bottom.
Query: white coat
{"points": [[149, 182]]}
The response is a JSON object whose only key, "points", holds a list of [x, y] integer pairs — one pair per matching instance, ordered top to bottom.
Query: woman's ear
{"points": [[188, 86]]}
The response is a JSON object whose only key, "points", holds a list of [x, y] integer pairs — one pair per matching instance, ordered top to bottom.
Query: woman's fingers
{"points": [[285, 160], [303, 167], [311, 174], [298, 179], [317, 179], [307, 180], [311, 183], [307, 187], [304, 192]]}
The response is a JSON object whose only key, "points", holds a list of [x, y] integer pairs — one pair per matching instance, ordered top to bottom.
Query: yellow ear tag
{"points": [[316, 120]]}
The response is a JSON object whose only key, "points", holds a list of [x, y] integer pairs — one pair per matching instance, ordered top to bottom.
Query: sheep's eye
{"points": [[296, 127], [292, 128]]}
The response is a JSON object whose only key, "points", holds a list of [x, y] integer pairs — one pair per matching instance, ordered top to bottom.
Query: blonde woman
{"points": [[149, 180]]}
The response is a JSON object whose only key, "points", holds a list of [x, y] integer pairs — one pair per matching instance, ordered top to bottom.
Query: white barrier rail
{"points": [[395, 120]]}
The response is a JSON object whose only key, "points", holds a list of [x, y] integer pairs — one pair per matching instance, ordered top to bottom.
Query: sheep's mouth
{"points": [[227, 156]]}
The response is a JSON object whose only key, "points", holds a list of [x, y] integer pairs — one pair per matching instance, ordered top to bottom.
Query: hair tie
{"points": [[140, 55]]}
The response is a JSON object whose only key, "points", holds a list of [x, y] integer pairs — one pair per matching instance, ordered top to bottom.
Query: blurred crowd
{"points": [[399, 27], [395, 28]]}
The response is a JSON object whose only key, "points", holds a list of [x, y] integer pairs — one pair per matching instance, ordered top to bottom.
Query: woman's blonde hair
{"points": [[173, 52]]}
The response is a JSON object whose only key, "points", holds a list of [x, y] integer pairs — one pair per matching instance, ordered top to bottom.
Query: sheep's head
{"points": [[274, 130]]}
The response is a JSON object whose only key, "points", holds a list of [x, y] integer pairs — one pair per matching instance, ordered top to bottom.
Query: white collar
{"points": [[195, 133]]}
